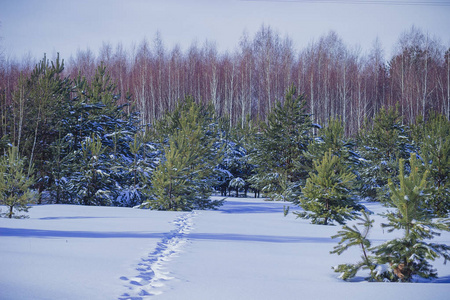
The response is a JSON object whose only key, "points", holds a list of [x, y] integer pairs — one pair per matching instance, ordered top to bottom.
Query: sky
{"points": [[35, 27]]}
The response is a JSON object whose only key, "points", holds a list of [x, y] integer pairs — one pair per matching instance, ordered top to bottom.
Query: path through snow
{"points": [[152, 272]]}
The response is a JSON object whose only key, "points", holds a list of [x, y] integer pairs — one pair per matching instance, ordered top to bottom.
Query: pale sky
{"points": [[50, 26]]}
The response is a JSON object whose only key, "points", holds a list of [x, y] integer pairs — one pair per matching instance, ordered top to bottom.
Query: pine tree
{"points": [[39, 102], [205, 119], [332, 137], [433, 141], [381, 144], [278, 156], [57, 169], [186, 175], [170, 181], [15, 184], [327, 195], [353, 236], [409, 255]]}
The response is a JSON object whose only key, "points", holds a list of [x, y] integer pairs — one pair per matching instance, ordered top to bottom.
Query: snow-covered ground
{"points": [[245, 250]]}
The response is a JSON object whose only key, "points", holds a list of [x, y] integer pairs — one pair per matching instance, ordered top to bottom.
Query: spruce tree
{"points": [[52, 117], [95, 117], [279, 148], [133, 171], [89, 181], [15, 184], [327, 195], [410, 254]]}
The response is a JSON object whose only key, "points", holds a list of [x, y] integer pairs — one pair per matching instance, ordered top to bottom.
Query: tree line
{"points": [[337, 80]]}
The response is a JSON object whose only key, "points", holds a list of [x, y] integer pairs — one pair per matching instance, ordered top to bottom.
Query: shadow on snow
{"points": [[232, 207], [74, 218], [40, 233], [257, 238]]}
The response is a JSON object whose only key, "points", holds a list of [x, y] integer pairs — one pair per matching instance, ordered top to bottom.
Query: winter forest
{"points": [[320, 128]]}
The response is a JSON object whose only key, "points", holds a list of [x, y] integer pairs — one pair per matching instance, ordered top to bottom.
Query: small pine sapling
{"points": [[15, 185], [169, 189], [327, 195], [353, 236], [408, 256]]}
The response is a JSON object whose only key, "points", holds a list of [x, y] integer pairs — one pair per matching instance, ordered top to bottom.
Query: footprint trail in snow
{"points": [[153, 275]]}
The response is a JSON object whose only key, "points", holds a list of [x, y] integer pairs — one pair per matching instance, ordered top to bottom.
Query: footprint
{"points": [[152, 276]]}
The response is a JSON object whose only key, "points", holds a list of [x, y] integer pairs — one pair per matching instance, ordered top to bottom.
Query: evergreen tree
{"points": [[38, 103], [95, 110], [52, 117], [94, 117], [205, 119], [332, 138], [433, 141], [381, 144], [279, 148], [235, 166], [134, 171], [186, 175], [89, 181], [237, 183], [15, 184], [170, 186], [327, 195], [353, 236], [409, 255]]}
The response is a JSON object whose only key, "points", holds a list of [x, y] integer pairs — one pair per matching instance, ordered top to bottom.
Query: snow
{"points": [[245, 250], [76, 252], [380, 269]]}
